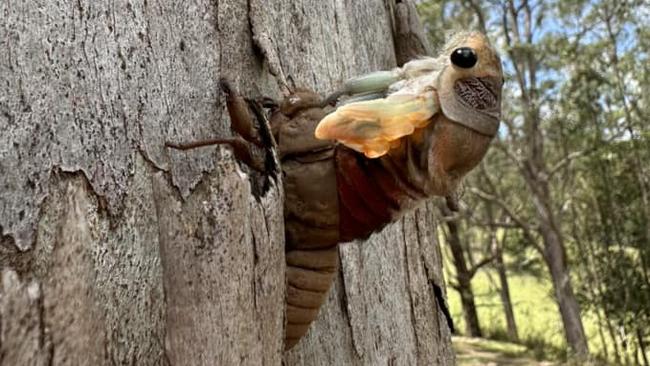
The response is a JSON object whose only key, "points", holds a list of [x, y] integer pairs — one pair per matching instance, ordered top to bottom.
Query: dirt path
{"points": [[482, 352]]}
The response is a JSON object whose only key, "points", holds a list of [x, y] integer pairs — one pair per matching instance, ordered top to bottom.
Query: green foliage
{"points": [[447, 17]]}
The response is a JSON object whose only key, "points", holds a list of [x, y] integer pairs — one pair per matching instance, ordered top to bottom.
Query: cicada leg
{"points": [[243, 122], [240, 147]]}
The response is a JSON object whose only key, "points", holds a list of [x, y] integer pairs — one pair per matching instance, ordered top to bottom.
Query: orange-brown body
{"points": [[334, 194]]}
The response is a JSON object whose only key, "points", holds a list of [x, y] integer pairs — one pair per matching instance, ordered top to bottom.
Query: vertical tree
{"points": [[519, 23], [525, 144], [115, 250], [500, 267], [463, 272]]}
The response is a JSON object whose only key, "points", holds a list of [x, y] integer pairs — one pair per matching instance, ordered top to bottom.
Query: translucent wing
{"points": [[373, 126]]}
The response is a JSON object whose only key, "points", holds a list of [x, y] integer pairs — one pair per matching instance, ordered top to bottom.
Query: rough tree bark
{"points": [[115, 250]]}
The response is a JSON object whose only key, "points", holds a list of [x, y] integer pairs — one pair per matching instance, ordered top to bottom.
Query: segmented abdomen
{"points": [[332, 196], [312, 234]]}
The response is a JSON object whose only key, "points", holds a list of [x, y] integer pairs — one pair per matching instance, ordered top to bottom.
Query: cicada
{"points": [[359, 159]]}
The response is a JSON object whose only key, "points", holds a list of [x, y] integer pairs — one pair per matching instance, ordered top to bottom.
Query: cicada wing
{"points": [[373, 126]]}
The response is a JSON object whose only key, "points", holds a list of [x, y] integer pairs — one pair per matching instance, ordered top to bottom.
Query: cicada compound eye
{"points": [[464, 57]]}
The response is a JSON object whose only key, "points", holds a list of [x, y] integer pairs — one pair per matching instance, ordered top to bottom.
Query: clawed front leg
{"points": [[242, 120], [243, 123], [240, 147]]}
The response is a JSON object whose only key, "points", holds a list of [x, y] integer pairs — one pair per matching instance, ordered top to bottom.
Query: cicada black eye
{"points": [[464, 57]]}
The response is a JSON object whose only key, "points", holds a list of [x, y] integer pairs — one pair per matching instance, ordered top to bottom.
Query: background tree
{"points": [[569, 168], [464, 268]]}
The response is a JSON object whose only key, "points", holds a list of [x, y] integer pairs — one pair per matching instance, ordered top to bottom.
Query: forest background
{"points": [[551, 247]]}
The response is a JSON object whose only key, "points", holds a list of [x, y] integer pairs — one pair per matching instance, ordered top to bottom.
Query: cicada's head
{"points": [[469, 86]]}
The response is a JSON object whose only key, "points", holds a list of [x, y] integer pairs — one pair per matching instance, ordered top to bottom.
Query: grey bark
{"points": [[115, 250]]}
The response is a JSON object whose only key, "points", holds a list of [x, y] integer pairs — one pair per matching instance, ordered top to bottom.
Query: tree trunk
{"points": [[519, 30], [115, 250], [554, 251], [499, 265], [464, 281], [504, 292], [568, 304], [601, 335], [612, 335], [642, 347]]}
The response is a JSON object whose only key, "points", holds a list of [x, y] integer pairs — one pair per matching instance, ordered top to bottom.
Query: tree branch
{"points": [[479, 13], [501, 146], [578, 154], [504, 225], [525, 227], [482, 263]]}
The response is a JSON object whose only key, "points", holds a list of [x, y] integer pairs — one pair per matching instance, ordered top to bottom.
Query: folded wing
{"points": [[373, 126]]}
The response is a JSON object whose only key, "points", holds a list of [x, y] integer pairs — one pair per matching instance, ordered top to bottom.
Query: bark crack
{"points": [[263, 42], [7, 241], [255, 268], [407, 283], [442, 304], [346, 310]]}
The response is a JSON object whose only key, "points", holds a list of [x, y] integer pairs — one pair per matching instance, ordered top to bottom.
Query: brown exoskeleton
{"points": [[402, 136]]}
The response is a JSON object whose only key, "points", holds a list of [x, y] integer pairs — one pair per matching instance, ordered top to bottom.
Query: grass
{"points": [[536, 314]]}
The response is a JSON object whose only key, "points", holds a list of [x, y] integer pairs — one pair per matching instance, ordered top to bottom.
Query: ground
{"points": [[536, 313], [479, 352]]}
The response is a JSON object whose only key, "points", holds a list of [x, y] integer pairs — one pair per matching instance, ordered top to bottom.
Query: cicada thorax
{"points": [[453, 151]]}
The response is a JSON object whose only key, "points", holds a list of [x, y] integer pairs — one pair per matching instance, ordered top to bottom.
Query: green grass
{"points": [[535, 311], [536, 314]]}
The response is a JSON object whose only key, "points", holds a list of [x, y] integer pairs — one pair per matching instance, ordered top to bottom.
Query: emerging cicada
{"points": [[399, 137]]}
